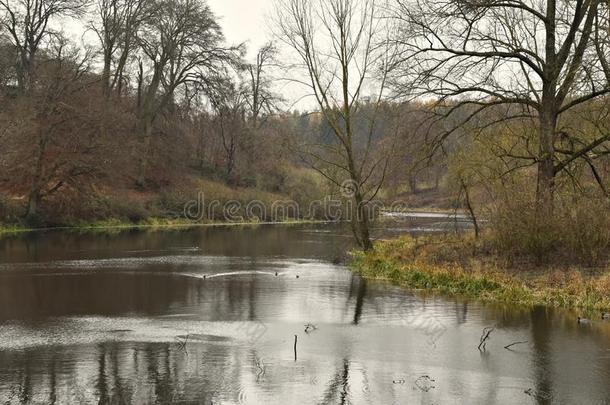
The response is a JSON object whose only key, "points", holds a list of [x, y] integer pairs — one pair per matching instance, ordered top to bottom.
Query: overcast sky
{"points": [[244, 21], [248, 21]]}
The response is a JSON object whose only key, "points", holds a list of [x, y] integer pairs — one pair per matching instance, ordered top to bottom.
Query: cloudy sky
{"points": [[244, 20], [248, 21]]}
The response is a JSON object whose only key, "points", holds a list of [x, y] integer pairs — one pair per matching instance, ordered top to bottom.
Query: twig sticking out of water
{"points": [[310, 327], [484, 338], [182, 341], [295, 347], [507, 347], [261, 368], [539, 395]]}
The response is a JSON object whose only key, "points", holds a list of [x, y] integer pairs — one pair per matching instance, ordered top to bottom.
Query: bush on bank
{"points": [[577, 232]]}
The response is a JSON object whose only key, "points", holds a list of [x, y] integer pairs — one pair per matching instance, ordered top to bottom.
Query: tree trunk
{"points": [[24, 71], [106, 76], [106, 95], [548, 118], [144, 153], [546, 163], [230, 165], [413, 184], [546, 184], [35, 195], [33, 203], [470, 208], [360, 221], [363, 226]]}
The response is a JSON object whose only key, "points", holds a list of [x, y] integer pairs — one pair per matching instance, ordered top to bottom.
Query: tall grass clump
{"points": [[577, 232]]}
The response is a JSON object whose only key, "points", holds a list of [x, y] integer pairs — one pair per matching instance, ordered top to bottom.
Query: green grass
{"points": [[112, 226], [11, 228], [412, 264]]}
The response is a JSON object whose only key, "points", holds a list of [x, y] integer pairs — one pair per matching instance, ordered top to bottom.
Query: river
{"points": [[209, 315]]}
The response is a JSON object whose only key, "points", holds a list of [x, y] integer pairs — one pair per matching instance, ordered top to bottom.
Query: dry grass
{"points": [[578, 231], [459, 265]]}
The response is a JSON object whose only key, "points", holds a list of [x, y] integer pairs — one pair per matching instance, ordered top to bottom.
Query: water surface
{"points": [[210, 315]]}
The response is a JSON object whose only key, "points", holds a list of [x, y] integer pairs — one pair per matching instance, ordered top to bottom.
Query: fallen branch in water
{"points": [[484, 338], [182, 341], [295, 347], [507, 347]]}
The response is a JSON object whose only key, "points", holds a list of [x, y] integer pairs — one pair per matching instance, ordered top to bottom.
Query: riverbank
{"points": [[186, 201], [153, 224], [109, 225], [459, 265]]}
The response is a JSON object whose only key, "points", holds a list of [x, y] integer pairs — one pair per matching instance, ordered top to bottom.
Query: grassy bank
{"points": [[209, 202], [153, 224], [105, 225], [9, 228], [458, 265]]}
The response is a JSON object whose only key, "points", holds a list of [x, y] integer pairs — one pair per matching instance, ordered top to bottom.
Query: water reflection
{"points": [[202, 317], [541, 328]]}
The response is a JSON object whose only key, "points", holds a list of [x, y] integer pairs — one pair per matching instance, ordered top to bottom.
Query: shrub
{"points": [[121, 207], [10, 210], [578, 231]]}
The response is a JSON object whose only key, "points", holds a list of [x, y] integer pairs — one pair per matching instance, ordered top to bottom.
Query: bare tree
{"points": [[28, 25], [116, 27], [336, 43], [181, 44], [533, 60], [7, 64], [261, 99], [229, 104], [55, 143]]}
